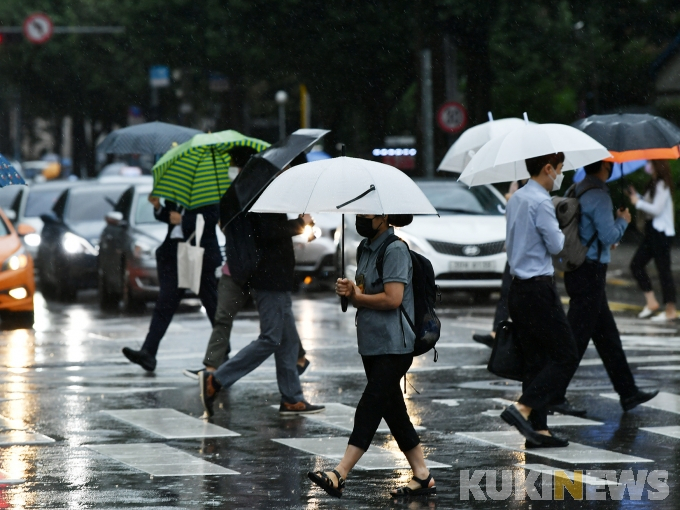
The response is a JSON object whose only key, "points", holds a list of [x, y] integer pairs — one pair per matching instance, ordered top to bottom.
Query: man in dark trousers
{"points": [[180, 227], [271, 284], [589, 314], [541, 327]]}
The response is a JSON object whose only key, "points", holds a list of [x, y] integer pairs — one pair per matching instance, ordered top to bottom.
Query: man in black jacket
{"points": [[180, 228], [271, 284]]}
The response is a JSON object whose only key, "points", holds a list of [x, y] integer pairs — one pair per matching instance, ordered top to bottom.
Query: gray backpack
{"points": [[568, 212]]}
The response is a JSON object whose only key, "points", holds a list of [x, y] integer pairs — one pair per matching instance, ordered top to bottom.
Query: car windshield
{"points": [[7, 196], [455, 198], [41, 201], [91, 205], [144, 212]]}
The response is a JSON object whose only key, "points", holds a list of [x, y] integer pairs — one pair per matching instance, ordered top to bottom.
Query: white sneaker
{"points": [[646, 312], [662, 318]]}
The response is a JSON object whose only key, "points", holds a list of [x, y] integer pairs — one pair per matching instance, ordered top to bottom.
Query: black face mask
{"points": [[365, 228]]}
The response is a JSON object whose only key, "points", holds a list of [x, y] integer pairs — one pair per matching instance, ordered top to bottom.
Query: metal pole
{"points": [[427, 115], [282, 121], [344, 302]]}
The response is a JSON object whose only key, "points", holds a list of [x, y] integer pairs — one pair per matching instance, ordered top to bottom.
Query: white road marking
{"points": [[633, 359], [661, 367], [106, 390], [664, 401], [447, 402], [340, 416], [554, 420], [170, 424], [671, 431], [20, 438], [334, 448], [575, 453], [160, 460], [549, 470]]}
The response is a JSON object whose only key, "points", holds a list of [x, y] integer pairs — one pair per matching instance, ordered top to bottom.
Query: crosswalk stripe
{"points": [[633, 359], [670, 368], [664, 401], [447, 402], [341, 416], [554, 420], [170, 423], [671, 431], [21, 437], [334, 448], [575, 453], [160, 459], [549, 470]]}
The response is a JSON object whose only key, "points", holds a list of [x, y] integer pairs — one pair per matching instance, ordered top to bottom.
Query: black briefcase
{"points": [[506, 355]]}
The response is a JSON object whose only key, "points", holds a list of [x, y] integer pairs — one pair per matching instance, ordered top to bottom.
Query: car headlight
{"points": [[311, 232], [32, 240], [74, 244], [415, 245], [143, 250], [17, 260]]}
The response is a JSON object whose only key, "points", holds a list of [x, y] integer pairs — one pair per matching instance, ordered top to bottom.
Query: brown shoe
{"points": [[209, 389], [301, 407]]}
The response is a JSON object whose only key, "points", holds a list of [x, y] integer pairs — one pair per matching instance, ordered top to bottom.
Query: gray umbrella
{"points": [[149, 138]]}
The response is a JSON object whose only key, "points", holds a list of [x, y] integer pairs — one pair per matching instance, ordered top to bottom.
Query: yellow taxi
{"points": [[17, 285]]}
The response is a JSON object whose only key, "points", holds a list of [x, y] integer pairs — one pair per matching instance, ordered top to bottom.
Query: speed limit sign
{"points": [[38, 28], [452, 117]]}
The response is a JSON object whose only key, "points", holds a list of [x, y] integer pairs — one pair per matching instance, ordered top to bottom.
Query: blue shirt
{"points": [[596, 214], [532, 232], [385, 331]]}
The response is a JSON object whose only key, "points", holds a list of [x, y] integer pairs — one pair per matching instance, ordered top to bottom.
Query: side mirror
{"points": [[11, 215], [49, 218], [115, 218], [24, 229]]}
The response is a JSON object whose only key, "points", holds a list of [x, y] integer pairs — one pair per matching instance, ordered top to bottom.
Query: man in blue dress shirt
{"points": [[589, 314], [541, 326]]}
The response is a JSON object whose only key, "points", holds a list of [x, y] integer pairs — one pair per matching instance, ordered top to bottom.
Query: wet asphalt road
{"points": [[60, 378]]}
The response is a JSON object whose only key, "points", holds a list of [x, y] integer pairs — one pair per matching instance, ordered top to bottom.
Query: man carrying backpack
{"points": [[589, 314]]}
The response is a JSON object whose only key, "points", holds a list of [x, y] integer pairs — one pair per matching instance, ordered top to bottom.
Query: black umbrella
{"points": [[633, 136], [150, 138], [262, 168]]}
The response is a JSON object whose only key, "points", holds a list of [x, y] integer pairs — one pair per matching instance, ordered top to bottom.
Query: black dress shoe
{"points": [[483, 339], [141, 358], [301, 368], [639, 398], [566, 408], [512, 416], [552, 441]]}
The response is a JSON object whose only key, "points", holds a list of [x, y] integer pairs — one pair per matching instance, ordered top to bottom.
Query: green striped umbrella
{"points": [[196, 173]]}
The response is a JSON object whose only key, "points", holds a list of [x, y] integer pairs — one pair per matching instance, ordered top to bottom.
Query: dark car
{"points": [[127, 254], [67, 256]]}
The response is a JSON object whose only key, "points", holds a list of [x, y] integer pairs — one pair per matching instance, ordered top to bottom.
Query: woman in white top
{"points": [[659, 232]]}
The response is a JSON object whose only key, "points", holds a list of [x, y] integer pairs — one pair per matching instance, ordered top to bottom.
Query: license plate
{"points": [[472, 265]]}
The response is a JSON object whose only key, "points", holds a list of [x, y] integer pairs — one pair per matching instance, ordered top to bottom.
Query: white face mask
{"points": [[557, 181]]}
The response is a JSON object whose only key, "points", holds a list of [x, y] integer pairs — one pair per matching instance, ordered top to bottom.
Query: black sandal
{"points": [[324, 481], [424, 489]]}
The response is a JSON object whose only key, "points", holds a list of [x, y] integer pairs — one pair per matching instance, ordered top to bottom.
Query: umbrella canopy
{"points": [[633, 136], [149, 138], [461, 152], [502, 159], [262, 168], [619, 170], [196, 173], [9, 174], [343, 185]]}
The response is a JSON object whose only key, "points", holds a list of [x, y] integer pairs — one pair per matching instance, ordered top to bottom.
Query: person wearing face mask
{"points": [[659, 232], [589, 314], [541, 327], [386, 345]]}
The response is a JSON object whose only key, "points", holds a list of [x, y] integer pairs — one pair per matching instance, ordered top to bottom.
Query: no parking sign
{"points": [[38, 28], [452, 117]]}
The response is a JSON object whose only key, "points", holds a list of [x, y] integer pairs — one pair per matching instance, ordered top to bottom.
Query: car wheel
{"points": [[65, 291], [108, 300], [131, 303], [17, 320]]}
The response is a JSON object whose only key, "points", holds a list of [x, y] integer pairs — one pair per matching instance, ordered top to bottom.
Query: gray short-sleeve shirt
{"points": [[385, 331]]}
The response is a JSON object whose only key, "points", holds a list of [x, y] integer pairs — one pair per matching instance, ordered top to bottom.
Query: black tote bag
{"points": [[506, 355]]}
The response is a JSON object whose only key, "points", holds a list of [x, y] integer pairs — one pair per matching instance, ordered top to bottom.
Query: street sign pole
{"points": [[426, 108]]}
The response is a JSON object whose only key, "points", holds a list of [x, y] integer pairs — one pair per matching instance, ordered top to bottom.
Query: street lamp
{"points": [[281, 99]]}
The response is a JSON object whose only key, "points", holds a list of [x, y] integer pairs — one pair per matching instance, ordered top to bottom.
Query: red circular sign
{"points": [[38, 28], [452, 117]]}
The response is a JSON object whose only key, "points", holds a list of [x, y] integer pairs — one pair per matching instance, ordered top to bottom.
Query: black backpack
{"points": [[426, 326]]}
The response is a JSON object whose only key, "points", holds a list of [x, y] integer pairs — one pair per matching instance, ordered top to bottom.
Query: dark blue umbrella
{"points": [[9, 174]]}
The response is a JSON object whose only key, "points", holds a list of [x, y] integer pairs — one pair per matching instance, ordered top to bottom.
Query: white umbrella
{"points": [[461, 152], [502, 159], [343, 185]]}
